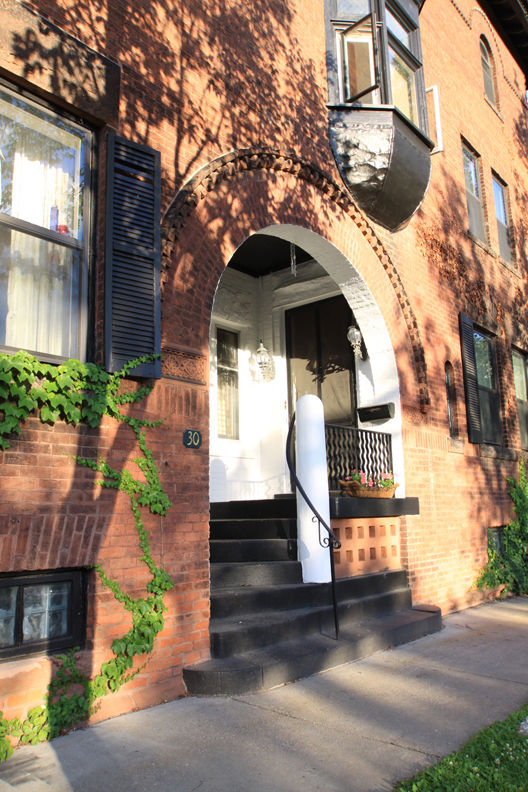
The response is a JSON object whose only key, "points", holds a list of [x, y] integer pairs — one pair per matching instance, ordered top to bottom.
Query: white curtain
{"points": [[42, 277]]}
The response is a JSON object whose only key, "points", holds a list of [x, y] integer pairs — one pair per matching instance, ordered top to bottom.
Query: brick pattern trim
{"points": [[228, 166], [184, 364]]}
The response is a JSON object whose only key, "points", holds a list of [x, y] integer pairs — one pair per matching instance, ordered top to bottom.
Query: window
{"points": [[378, 55], [487, 71], [44, 183], [474, 193], [501, 214], [227, 373], [520, 376], [481, 384], [42, 612]]}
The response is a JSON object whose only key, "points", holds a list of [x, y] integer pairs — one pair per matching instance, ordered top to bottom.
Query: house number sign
{"points": [[192, 438]]}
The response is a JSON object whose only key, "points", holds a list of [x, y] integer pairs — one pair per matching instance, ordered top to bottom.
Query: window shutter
{"points": [[132, 283], [470, 379]]}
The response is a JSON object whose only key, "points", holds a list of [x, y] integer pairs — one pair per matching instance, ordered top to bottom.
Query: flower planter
{"points": [[356, 490]]}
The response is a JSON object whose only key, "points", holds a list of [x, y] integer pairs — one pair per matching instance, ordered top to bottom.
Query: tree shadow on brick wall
{"points": [[197, 80], [474, 280]]}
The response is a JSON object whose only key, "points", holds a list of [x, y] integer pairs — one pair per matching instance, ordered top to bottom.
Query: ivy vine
{"points": [[83, 392], [508, 566]]}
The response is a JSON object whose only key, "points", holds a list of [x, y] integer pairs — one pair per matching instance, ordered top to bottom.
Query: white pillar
{"points": [[313, 474]]}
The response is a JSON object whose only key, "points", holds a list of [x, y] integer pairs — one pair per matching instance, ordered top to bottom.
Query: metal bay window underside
{"points": [[377, 110]]}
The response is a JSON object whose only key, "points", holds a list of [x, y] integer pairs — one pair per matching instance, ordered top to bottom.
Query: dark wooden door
{"points": [[320, 359]]}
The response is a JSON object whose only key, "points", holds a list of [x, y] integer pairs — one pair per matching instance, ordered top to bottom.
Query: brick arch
{"points": [[209, 178]]}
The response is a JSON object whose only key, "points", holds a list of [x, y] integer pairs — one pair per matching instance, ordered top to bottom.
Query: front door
{"points": [[320, 359]]}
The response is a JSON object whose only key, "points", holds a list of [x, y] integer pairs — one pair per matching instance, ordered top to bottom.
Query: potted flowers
{"points": [[359, 485]]}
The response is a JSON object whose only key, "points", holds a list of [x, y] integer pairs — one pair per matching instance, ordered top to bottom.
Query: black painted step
{"points": [[276, 507], [272, 528], [236, 550], [255, 574], [230, 601], [244, 632], [277, 664]]}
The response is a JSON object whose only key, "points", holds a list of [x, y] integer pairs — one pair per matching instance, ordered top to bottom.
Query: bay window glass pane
{"points": [[352, 8], [397, 29], [359, 67], [403, 86], [41, 167], [40, 284], [485, 362], [8, 597], [45, 611]]}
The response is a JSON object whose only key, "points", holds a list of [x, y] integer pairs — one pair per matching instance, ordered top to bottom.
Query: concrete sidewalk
{"points": [[358, 728]]}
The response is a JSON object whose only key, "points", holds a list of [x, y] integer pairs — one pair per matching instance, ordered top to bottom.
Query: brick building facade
{"points": [[241, 105]]}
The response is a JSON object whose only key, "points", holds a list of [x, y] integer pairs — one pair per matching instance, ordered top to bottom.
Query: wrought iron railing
{"points": [[349, 449], [326, 539]]}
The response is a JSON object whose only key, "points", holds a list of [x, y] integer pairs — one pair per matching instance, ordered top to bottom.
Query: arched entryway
{"points": [[290, 289], [251, 567]]}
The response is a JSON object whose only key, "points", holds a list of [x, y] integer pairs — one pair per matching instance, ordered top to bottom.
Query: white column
{"points": [[313, 474]]}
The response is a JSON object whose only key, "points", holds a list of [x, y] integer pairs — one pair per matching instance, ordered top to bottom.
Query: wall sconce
{"points": [[355, 339], [265, 366]]}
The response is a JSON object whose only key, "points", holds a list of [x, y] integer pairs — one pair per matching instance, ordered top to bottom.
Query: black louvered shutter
{"points": [[132, 304], [467, 345]]}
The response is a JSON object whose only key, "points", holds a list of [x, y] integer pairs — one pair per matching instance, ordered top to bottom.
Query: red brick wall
{"points": [[201, 79]]}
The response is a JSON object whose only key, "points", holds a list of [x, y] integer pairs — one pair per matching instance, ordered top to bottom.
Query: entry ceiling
{"points": [[261, 254]]}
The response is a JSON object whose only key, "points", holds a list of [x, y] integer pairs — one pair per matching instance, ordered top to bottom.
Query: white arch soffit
{"points": [[377, 377]]}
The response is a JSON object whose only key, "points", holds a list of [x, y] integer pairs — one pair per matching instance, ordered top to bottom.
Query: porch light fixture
{"points": [[355, 339], [264, 362]]}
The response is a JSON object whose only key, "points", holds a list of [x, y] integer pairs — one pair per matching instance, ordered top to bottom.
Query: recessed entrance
{"points": [[301, 314], [320, 359]]}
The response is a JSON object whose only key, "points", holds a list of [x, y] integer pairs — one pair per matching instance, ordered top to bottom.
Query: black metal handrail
{"points": [[330, 540]]}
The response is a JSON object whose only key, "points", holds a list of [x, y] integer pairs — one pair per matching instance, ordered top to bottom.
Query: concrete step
{"points": [[273, 507], [267, 528], [242, 550], [228, 575], [241, 600], [241, 632], [263, 668]]}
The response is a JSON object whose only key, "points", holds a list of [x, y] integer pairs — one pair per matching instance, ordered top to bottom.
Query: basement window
{"points": [[41, 613]]}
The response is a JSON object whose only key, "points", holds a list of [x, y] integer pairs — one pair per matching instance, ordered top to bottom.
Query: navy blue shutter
{"points": [[132, 283], [467, 345]]}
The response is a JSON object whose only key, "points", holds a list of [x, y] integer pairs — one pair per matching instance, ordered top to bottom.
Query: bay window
{"points": [[378, 55], [44, 182]]}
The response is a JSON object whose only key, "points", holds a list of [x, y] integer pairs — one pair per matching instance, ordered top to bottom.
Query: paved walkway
{"points": [[357, 728]]}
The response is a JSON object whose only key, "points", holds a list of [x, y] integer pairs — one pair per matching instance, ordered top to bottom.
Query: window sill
{"points": [[493, 108], [481, 244], [511, 266], [456, 445], [498, 452]]}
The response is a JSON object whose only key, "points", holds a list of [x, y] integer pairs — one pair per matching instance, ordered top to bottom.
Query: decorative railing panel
{"points": [[348, 448]]}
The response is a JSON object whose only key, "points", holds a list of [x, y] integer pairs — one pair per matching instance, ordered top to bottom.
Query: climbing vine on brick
{"points": [[77, 392], [509, 566]]}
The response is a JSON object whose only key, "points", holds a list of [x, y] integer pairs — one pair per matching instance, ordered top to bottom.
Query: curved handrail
{"points": [[331, 541], [335, 541]]}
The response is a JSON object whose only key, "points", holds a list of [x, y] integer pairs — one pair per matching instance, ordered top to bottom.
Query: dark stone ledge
{"points": [[344, 507]]}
